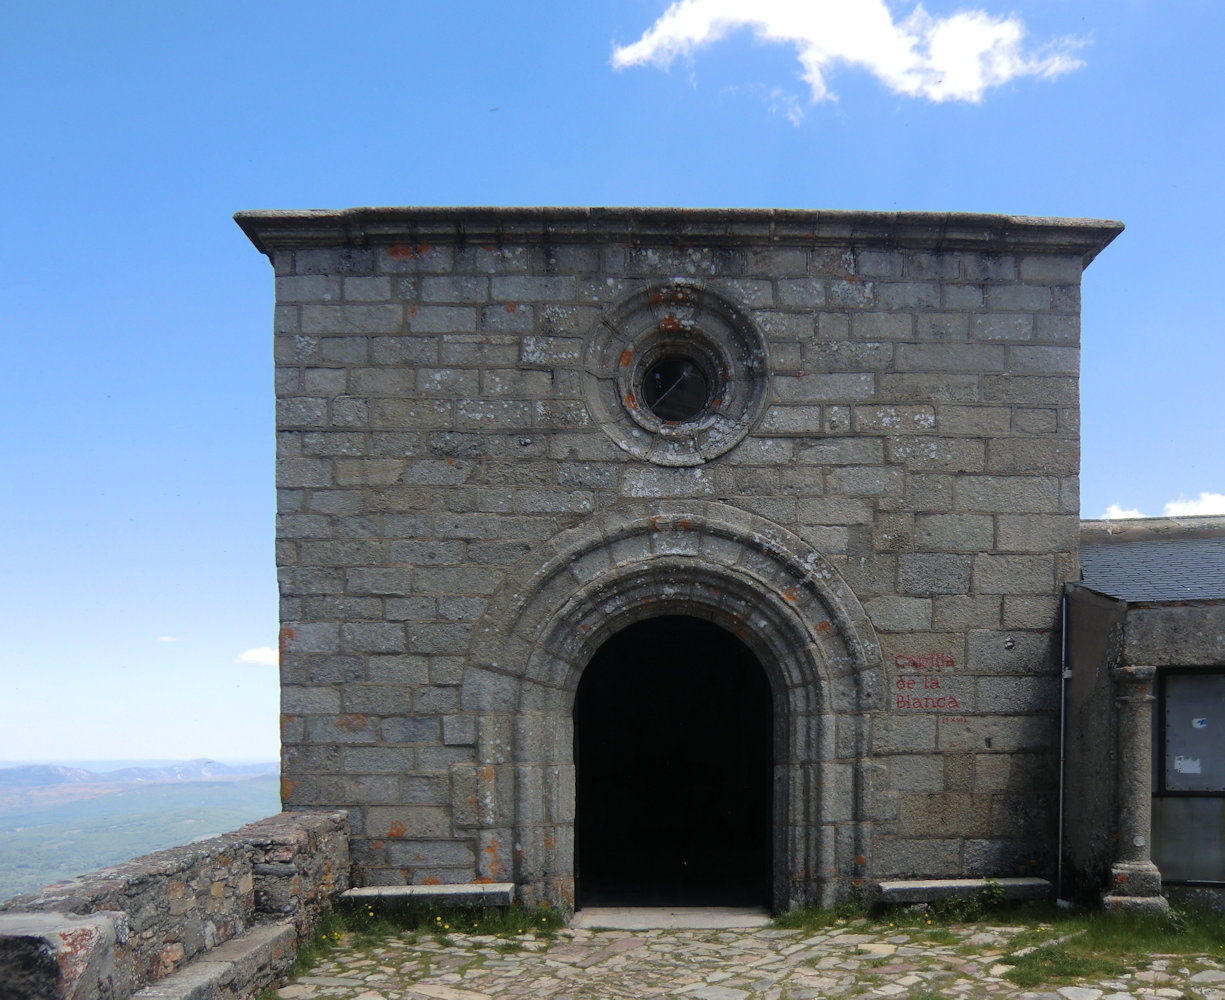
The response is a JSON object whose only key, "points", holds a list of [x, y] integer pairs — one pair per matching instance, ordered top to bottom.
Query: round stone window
{"points": [[676, 374], [675, 388]]}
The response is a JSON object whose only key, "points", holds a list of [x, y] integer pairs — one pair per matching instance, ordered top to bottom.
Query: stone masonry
{"points": [[486, 469], [134, 927]]}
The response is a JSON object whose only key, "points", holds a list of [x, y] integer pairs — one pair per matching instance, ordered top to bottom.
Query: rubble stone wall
{"points": [[110, 932]]}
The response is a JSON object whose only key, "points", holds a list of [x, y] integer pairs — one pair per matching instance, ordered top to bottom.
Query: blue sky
{"points": [[136, 320]]}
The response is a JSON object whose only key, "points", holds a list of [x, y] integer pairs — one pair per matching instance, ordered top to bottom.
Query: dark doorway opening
{"points": [[673, 732]]}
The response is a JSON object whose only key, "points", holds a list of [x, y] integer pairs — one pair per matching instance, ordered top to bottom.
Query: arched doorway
{"points": [[673, 747]]}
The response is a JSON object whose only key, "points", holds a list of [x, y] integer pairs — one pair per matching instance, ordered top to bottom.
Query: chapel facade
{"points": [[651, 555]]}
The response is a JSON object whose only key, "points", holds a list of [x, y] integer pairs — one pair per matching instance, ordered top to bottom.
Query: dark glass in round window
{"points": [[674, 388]]}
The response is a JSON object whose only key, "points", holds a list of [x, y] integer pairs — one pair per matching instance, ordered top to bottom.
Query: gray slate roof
{"points": [[1164, 569]]}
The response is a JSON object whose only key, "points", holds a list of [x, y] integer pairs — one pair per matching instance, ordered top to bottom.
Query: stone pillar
{"points": [[1135, 880]]}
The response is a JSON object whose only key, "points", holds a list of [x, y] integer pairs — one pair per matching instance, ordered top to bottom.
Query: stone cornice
{"points": [[359, 227], [1150, 529]]}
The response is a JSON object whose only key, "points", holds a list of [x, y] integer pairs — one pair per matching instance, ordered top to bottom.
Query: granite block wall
{"points": [[482, 475]]}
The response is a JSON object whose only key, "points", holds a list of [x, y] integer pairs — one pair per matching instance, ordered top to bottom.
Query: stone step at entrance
{"points": [[932, 890], [497, 894], [647, 918]]}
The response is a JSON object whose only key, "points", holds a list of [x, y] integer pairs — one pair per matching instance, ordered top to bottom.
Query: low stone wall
{"points": [[299, 862], [150, 916]]}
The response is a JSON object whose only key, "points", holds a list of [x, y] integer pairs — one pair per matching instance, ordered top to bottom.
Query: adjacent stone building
{"points": [[658, 555], [1146, 712]]}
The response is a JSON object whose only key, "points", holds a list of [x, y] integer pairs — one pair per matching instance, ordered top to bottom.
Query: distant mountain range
{"points": [[49, 775], [58, 820]]}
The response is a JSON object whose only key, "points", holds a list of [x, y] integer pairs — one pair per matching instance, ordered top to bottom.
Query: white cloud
{"points": [[954, 58], [782, 103], [1208, 503], [168, 638], [264, 655]]}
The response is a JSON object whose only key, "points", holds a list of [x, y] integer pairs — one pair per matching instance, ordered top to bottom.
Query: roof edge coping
{"points": [[272, 230], [1150, 529]]}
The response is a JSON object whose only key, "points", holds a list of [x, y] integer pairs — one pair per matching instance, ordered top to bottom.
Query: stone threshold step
{"points": [[930, 890], [460, 894], [647, 918], [239, 968]]}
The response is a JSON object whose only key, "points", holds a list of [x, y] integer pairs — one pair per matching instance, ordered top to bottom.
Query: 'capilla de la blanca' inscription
{"points": [[919, 687]]}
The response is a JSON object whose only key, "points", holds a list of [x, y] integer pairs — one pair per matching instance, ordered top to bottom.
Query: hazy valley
{"points": [[57, 821]]}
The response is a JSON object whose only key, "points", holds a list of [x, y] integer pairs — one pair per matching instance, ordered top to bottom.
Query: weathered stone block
{"points": [[1002, 327], [1053, 456], [1007, 494], [954, 532], [934, 573], [1013, 574], [900, 614]]}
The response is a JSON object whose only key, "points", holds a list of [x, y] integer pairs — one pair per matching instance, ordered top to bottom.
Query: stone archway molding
{"points": [[723, 538], [708, 560]]}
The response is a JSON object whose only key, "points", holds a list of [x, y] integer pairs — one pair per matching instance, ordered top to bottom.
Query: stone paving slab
{"points": [[722, 964]]}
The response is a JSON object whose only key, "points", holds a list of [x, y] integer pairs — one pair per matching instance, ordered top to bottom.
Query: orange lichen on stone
{"points": [[399, 251], [512, 306], [669, 323], [630, 401], [684, 524], [790, 595], [824, 628], [285, 637], [350, 723], [396, 829], [860, 859], [494, 865], [432, 880]]}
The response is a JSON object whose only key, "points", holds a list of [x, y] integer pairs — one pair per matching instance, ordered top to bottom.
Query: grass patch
{"points": [[988, 901], [812, 918], [377, 919], [1183, 932], [937, 935], [1102, 944], [1045, 945], [1057, 963]]}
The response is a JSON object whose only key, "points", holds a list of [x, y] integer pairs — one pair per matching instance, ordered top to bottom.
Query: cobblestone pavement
{"points": [[841, 961]]}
